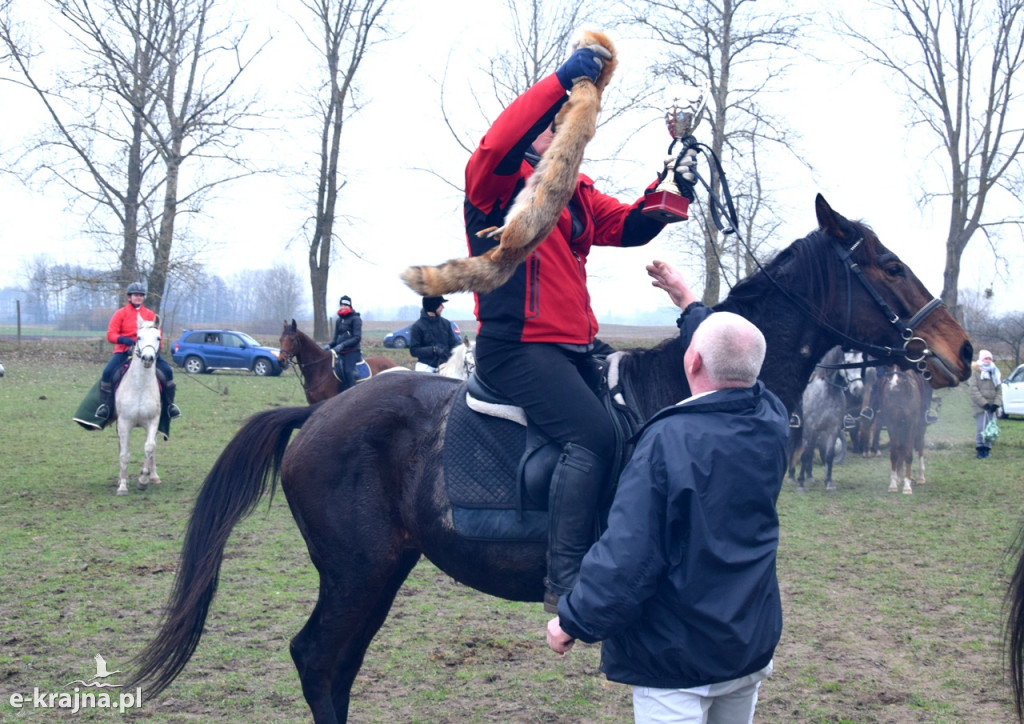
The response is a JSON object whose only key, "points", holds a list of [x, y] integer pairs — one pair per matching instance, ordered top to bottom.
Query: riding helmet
{"points": [[136, 288]]}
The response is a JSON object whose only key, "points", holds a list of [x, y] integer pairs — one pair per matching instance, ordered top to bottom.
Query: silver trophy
{"points": [[686, 106]]}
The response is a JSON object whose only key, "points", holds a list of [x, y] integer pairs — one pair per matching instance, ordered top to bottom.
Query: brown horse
{"points": [[314, 364], [370, 504]]}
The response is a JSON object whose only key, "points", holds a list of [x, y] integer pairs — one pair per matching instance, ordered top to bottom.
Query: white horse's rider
{"points": [[122, 333], [431, 339]]}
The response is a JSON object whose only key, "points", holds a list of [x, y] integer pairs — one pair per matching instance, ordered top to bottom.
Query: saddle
{"points": [[362, 368], [85, 415], [498, 464]]}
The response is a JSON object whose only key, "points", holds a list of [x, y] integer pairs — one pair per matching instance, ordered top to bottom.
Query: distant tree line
{"points": [[81, 298]]}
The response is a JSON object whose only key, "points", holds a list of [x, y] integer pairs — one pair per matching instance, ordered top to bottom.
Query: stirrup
{"points": [[173, 411], [102, 412]]}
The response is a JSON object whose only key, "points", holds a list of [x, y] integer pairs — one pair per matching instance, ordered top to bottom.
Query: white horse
{"points": [[461, 363], [138, 404]]}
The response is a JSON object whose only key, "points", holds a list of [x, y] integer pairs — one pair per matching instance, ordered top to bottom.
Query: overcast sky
{"points": [[853, 130]]}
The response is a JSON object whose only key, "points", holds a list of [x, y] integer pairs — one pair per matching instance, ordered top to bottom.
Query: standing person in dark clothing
{"points": [[536, 334], [348, 335], [431, 338], [682, 585]]}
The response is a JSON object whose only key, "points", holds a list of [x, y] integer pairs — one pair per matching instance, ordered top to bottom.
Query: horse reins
{"points": [[914, 350]]}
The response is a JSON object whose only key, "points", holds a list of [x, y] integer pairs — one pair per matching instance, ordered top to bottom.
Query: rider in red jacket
{"points": [[122, 332], [536, 332]]}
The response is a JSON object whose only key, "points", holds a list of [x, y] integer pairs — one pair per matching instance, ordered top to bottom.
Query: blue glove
{"points": [[584, 63], [125, 340]]}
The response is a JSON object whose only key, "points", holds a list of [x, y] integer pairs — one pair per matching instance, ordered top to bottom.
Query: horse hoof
{"points": [[142, 485], [830, 488], [893, 488], [801, 489], [122, 491]]}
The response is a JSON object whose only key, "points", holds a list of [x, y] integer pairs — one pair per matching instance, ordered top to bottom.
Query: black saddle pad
{"points": [[481, 459]]}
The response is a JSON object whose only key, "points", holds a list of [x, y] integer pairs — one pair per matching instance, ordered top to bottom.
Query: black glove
{"points": [[583, 63], [125, 340], [435, 351], [991, 408]]}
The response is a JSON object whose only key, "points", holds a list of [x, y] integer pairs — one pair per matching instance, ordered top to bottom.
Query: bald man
{"points": [[681, 588]]}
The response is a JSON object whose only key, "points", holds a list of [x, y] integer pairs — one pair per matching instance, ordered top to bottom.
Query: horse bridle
{"points": [[137, 349], [915, 349]]}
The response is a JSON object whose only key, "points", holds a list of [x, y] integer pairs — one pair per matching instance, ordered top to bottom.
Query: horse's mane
{"points": [[804, 269], [654, 378]]}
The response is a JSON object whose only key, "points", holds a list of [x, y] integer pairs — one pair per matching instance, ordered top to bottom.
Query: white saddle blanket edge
{"points": [[505, 412]]}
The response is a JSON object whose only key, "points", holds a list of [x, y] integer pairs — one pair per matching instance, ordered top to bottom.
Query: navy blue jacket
{"points": [[682, 587]]}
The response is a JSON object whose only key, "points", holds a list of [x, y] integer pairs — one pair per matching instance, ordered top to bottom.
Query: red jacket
{"points": [[546, 300], [125, 323]]}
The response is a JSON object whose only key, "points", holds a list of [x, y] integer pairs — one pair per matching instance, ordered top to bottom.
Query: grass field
{"points": [[893, 603]]}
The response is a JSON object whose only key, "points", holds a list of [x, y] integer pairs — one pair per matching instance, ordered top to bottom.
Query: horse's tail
{"points": [[247, 468], [1015, 627]]}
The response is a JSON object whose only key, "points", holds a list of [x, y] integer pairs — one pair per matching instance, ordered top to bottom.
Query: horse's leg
{"points": [[124, 433], [830, 455], [908, 464], [806, 465], [894, 470], [149, 474], [349, 520], [328, 652]]}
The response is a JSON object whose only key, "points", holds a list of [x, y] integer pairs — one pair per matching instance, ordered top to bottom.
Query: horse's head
{"points": [[877, 304], [147, 341], [288, 345], [469, 360], [461, 362], [854, 376]]}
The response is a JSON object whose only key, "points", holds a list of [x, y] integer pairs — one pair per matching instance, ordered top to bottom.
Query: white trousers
{"points": [[421, 367], [727, 702]]}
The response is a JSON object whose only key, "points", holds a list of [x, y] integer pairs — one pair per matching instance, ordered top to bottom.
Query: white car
{"points": [[1013, 393]]}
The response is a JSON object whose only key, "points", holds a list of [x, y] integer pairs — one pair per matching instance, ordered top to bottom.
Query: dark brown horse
{"points": [[315, 363], [370, 504]]}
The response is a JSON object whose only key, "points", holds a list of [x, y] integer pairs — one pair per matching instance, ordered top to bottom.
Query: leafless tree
{"points": [[345, 30], [541, 33], [741, 52], [959, 62], [140, 89], [281, 293], [1010, 329]]}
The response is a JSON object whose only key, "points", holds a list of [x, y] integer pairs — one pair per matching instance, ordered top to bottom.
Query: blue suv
{"points": [[204, 350]]}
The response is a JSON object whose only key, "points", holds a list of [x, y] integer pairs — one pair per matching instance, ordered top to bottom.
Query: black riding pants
{"points": [[347, 367], [550, 383]]}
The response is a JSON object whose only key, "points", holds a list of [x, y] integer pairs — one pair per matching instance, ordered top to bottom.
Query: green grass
{"points": [[893, 603]]}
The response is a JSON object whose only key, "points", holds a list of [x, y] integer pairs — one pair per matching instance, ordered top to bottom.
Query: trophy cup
{"points": [[666, 203]]}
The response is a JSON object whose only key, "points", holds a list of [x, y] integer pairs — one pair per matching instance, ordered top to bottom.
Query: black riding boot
{"points": [[170, 388], [106, 401], [572, 509]]}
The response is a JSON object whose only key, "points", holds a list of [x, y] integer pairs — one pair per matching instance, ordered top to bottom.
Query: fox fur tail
{"points": [[537, 207]]}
